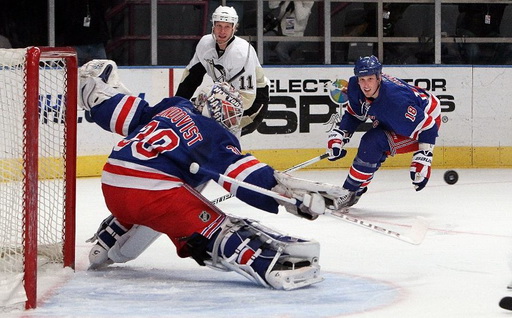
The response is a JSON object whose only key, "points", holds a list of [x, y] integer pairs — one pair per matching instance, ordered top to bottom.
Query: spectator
{"points": [[293, 18], [481, 20], [22, 23], [82, 25], [4, 39], [4, 42]]}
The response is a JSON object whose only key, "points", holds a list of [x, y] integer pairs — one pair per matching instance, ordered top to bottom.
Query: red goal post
{"points": [[38, 116]]}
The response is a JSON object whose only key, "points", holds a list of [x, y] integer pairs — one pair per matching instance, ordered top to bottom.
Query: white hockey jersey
{"points": [[239, 65]]}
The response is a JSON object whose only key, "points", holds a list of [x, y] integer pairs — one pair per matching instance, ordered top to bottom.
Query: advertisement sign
{"points": [[474, 103]]}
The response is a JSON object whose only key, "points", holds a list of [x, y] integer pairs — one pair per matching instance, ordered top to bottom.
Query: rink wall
{"points": [[476, 113]]}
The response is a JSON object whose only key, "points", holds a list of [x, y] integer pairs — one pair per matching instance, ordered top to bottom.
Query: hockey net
{"points": [[38, 89]]}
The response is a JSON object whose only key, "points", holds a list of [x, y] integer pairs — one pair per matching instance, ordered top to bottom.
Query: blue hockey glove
{"points": [[336, 139], [421, 168]]}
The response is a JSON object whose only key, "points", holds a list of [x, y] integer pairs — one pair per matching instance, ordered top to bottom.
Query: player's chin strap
{"points": [[415, 234]]}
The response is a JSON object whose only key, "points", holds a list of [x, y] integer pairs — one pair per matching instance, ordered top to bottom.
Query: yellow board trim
{"points": [[280, 159]]}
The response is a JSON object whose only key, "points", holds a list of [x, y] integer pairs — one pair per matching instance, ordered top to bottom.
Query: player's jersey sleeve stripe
{"points": [[432, 112], [123, 114], [240, 170]]}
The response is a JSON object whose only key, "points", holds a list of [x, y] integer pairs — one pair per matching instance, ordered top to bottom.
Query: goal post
{"points": [[38, 116]]}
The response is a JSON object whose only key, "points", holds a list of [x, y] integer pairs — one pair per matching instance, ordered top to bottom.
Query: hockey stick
{"points": [[195, 168], [291, 169], [414, 235]]}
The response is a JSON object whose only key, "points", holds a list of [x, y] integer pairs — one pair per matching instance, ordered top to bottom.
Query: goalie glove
{"points": [[106, 70], [99, 81], [93, 91], [336, 140], [421, 166], [312, 197]]}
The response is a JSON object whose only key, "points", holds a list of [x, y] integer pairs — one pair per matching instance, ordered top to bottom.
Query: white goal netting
{"points": [[33, 203]]}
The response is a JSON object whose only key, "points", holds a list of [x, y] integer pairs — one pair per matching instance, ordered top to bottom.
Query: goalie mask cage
{"points": [[38, 115]]}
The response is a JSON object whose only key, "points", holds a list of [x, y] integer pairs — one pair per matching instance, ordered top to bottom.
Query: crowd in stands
{"points": [[85, 25]]}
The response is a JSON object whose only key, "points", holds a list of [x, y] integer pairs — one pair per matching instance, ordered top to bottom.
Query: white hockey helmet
{"points": [[225, 14], [224, 104]]}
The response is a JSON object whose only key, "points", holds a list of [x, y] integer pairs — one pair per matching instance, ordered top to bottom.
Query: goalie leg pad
{"points": [[109, 231], [129, 246], [264, 256]]}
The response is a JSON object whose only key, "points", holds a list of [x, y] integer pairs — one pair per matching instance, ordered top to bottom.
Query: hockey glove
{"points": [[336, 139], [421, 168], [313, 197], [298, 209]]}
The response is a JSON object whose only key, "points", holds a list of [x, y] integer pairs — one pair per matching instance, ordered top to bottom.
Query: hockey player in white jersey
{"points": [[226, 57], [149, 188]]}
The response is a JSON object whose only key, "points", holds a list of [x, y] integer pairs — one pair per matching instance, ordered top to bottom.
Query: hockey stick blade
{"points": [[291, 169], [415, 235]]}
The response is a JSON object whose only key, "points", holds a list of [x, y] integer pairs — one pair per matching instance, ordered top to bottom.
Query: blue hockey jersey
{"points": [[400, 108], [161, 141]]}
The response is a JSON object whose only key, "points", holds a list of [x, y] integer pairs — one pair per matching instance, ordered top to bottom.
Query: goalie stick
{"points": [[291, 169], [414, 235]]}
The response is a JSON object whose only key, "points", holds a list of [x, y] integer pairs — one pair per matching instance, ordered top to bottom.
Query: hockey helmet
{"points": [[225, 14], [368, 65], [224, 104]]}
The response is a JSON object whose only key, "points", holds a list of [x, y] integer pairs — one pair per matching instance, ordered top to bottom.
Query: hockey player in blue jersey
{"points": [[404, 119], [149, 188]]}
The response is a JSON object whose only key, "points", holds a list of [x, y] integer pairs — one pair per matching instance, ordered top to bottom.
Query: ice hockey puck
{"points": [[451, 177], [506, 303]]}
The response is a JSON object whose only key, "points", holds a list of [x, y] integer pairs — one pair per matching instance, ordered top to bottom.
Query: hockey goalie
{"points": [[149, 190]]}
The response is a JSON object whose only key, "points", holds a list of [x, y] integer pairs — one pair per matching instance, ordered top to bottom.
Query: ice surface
{"points": [[460, 270]]}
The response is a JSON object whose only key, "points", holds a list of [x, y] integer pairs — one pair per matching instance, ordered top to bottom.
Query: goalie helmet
{"points": [[225, 14], [368, 65], [222, 103]]}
